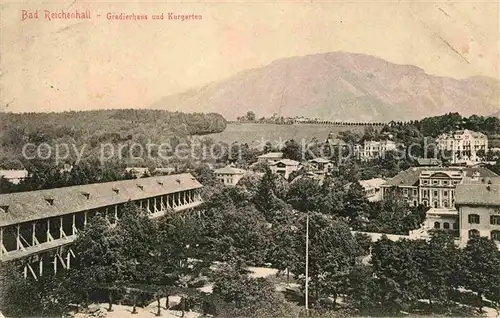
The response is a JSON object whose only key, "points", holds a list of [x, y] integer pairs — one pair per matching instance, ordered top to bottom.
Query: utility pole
{"points": [[307, 264]]}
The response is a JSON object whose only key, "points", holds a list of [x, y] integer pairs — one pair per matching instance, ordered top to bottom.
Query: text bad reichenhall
{"points": [[56, 15], [86, 15]]}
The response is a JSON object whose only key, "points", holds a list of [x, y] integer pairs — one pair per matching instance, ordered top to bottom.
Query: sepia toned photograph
{"points": [[280, 158]]}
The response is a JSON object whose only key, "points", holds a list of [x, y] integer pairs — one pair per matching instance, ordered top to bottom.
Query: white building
{"points": [[464, 145], [376, 149], [270, 157], [284, 167], [229, 175], [14, 176], [373, 188]]}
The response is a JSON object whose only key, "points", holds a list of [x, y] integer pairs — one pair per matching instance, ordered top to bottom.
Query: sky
{"points": [[62, 65]]}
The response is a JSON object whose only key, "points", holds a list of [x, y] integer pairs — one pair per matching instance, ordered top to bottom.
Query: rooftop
{"points": [[272, 155], [320, 160], [287, 162], [429, 162], [229, 170], [14, 174], [410, 177], [372, 183], [478, 193], [32, 205]]}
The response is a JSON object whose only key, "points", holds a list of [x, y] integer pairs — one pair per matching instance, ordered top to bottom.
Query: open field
{"points": [[253, 134]]}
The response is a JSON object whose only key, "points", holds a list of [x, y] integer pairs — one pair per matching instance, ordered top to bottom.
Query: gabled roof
{"points": [[271, 155], [320, 160], [286, 162], [429, 162], [229, 170], [410, 177], [372, 183], [478, 193], [32, 205]]}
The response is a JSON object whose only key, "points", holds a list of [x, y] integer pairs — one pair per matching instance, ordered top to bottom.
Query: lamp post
{"points": [[307, 265]]}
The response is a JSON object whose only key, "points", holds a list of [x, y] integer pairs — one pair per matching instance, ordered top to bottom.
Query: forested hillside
{"points": [[94, 128]]}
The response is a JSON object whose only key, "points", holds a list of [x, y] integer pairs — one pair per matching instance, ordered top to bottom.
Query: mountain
{"points": [[340, 86]]}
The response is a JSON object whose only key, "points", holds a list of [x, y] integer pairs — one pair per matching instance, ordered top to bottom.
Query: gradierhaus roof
{"points": [[410, 177], [479, 193], [32, 205]]}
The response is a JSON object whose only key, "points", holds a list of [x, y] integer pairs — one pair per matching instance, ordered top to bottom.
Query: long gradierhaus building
{"points": [[38, 227]]}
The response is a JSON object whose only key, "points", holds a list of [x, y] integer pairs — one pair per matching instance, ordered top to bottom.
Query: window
{"points": [[425, 181], [435, 182], [445, 182], [455, 182], [405, 192], [415, 192], [435, 193], [445, 193], [415, 203], [425, 203], [436, 204], [445, 204], [474, 219], [495, 219], [437, 225], [446, 225], [455, 226], [473, 233], [495, 235]]}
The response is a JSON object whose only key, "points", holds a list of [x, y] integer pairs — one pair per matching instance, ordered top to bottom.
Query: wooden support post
{"points": [[161, 202], [140, 204], [147, 206], [155, 209], [116, 213], [84, 218], [73, 225], [61, 231], [33, 236], [49, 237], [18, 238], [1, 242], [68, 260], [55, 263], [40, 265], [25, 271]]}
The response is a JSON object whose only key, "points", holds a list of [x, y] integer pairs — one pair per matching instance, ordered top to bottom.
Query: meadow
{"points": [[253, 134]]}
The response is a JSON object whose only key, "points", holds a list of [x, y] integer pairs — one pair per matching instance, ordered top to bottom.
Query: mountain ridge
{"points": [[340, 86]]}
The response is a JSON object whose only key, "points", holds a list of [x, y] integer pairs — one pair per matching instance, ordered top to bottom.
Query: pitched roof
{"points": [[271, 155], [320, 160], [287, 162], [429, 162], [229, 170], [410, 177], [372, 183], [478, 193], [32, 205]]}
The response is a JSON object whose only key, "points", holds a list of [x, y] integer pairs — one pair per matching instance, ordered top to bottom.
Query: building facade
{"points": [[464, 145], [376, 149], [270, 157], [285, 167], [229, 175], [431, 186], [478, 204], [38, 227]]}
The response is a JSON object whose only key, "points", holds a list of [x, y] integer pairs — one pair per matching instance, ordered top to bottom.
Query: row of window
{"points": [[443, 182], [436, 204], [476, 219], [446, 225], [495, 234]]}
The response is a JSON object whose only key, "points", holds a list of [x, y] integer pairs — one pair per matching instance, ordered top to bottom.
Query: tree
{"points": [[250, 116], [292, 150], [305, 195], [356, 206], [332, 254], [100, 259], [479, 265], [242, 296]]}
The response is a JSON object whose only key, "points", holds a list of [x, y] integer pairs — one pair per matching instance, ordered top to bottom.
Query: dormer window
{"points": [[178, 181], [160, 182], [140, 186], [116, 190], [86, 195], [50, 201], [4, 208]]}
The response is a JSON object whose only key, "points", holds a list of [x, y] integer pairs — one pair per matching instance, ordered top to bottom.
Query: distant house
{"points": [[464, 145], [377, 149], [270, 157], [429, 162], [320, 165], [285, 167], [137, 172], [229, 175], [14, 176], [373, 188]]}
